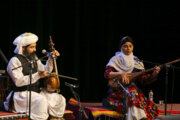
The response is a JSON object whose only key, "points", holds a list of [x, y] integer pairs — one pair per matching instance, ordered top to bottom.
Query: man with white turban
{"points": [[44, 104]]}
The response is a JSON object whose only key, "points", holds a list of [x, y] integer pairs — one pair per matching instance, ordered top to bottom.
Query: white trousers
{"points": [[42, 104], [135, 113]]}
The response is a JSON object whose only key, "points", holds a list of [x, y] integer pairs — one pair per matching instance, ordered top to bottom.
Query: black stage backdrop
{"points": [[87, 33]]}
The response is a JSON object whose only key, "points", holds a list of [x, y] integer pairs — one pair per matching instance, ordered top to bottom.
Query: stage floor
{"points": [[170, 109], [97, 110]]}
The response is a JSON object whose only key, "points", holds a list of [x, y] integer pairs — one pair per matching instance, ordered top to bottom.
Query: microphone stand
{"points": [[29, 62], [153, 63], [30, 66], [166, 88], [126, 99], [81, 110]]}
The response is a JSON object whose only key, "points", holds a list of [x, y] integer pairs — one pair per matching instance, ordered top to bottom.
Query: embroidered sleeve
{"points": [[108, 70]]}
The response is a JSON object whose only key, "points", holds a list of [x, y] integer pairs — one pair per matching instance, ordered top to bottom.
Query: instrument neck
{"points": [[55, 65], [161, 66]]}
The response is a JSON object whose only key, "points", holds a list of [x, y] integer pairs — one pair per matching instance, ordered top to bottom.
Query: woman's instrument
{"points": [[133, 76], [52, 82]]}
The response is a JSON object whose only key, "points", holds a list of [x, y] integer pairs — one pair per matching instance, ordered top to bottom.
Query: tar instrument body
{"points": [[52, 82]]}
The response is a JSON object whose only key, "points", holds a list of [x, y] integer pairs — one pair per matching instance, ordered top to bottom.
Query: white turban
{"points": [[24, 40]]}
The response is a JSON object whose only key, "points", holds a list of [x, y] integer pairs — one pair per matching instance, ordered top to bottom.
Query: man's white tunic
{"points": [[44, 103]]}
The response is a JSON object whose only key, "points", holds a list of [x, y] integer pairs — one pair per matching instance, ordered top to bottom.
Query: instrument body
{"points": [[133, 76], [52, 82]]}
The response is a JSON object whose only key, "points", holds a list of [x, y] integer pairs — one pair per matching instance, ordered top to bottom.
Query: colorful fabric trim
{"points": [[107, 71], [117, 100], [98, 110]]}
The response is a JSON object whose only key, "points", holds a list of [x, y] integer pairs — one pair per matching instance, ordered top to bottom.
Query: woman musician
{"points": [[118, 69]]}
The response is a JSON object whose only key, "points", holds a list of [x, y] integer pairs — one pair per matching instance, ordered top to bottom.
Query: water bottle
{"points": [[151, 96]]}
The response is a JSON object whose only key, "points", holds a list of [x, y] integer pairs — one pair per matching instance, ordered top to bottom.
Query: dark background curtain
{"points": [[87, 34]]}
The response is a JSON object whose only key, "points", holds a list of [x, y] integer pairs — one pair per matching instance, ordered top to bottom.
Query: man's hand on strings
{"points": [[55, 52], [43, 74]]}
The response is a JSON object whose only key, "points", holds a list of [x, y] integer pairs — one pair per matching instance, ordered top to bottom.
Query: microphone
{"points": [[47, 53], [137, 60], [71, 85]]}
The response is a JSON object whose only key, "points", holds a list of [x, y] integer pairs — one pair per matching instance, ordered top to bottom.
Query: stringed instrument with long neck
{"points": [[133, 76], [52, 83]]}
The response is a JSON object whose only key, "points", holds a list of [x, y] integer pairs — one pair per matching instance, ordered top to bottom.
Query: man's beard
{"points": [[30, 56]]}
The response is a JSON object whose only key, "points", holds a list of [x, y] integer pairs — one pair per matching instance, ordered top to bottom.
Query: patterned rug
{"points": [[68, 115], [12, 116]]}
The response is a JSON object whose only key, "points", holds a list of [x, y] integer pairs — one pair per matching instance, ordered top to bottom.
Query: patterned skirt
{"points": [[116, 99]]}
